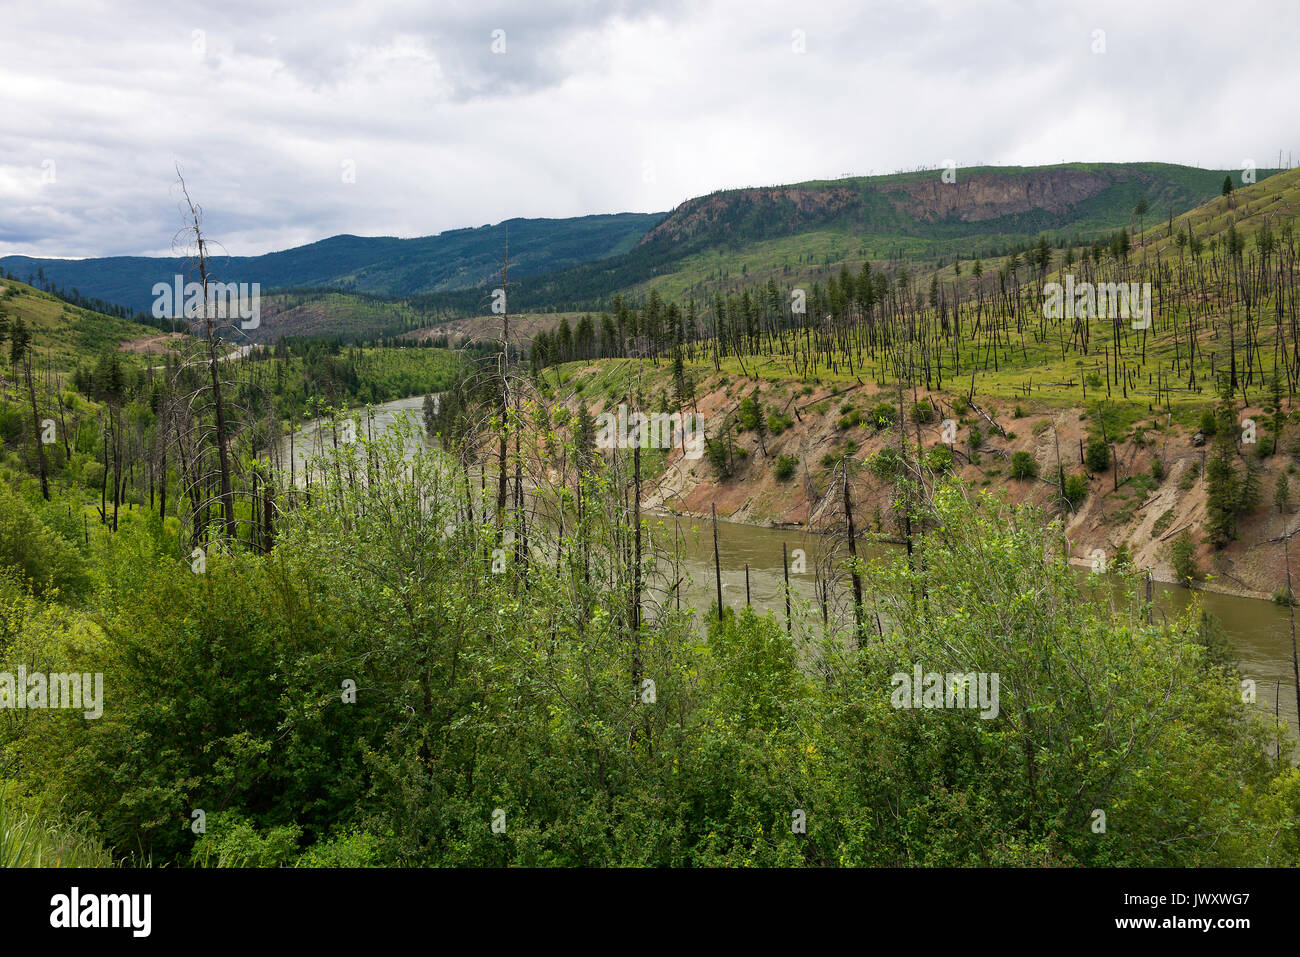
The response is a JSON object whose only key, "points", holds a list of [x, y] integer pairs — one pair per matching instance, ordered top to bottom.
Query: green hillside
{"points": [[731, 239], [384, 265], [63, 334]]}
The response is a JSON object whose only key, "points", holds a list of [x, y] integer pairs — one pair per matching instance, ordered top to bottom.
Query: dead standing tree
{"points": [[203, 483]]}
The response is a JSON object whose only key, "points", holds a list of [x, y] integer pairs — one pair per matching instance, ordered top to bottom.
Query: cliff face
{"points": [[984, 196], [770, 210]]}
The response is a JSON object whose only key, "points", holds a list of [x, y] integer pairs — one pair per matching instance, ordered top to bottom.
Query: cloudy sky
{"points": [[292, 123]]}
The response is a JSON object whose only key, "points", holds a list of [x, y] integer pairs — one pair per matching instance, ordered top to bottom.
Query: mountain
{"points": [[741, 237], [455, 259], [363, 287]]}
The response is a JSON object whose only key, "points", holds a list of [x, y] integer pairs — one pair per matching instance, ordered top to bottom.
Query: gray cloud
{"points": [[592, 107]]}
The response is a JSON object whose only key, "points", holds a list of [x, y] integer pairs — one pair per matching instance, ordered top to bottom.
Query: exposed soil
{"points": [[152, 345], [1141, 516]]}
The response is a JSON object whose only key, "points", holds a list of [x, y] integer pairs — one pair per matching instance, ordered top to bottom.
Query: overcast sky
{"points": [[373, 117]]}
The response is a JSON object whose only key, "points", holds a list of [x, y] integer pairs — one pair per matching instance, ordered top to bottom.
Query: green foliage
{"points": [[750, 413], [884, 415], [850, 421], [778, 422], [1209, 424], [720, 452], [1097, 455], [939, 458], [885, 464], [1023, 465], [784, 467], [1076, 489], [1229, 492], [29, 548], [1182, 556], [230, 840], [28, 841]]}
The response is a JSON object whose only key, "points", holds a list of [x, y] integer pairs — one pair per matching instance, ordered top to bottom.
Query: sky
{"points": [[294, 122]]}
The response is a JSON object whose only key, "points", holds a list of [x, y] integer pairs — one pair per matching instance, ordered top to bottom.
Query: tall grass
{"points": [[26, 840]]}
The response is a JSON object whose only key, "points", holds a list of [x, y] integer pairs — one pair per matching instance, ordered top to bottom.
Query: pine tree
{"points": [[584, 434], [1224, 485], [1282, 494]]}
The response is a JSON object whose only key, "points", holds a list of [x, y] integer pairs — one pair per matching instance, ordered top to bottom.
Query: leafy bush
{"points": [[884, 415], [778, 422], [1209, 425], [1097, 456], [939, 458], [885, 464], [785, 465], [1023, 466], [1076, 489], [34, 551], [1182, 556], [231, 840]]}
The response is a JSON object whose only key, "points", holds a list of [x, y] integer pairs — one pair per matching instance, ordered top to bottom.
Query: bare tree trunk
{"points": [[219, 409], [36, 431], [853, 557]]}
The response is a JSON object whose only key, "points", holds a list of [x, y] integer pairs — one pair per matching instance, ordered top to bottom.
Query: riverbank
{"points": [[1152, 490]]}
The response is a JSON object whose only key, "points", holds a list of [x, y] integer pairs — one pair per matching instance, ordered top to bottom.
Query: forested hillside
{"points": [[455, 259]]}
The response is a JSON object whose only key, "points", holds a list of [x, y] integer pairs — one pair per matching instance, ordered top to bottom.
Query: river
{"points": [[1259, 631]]}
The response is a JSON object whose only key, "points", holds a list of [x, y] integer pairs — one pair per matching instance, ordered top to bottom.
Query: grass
{"points": [[65, 335], [26, 840]]}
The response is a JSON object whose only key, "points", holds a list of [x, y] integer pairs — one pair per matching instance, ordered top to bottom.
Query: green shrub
{"points": [[883, 415], [778, 422], [1209, 425], [1097, 456], [939, 458], [885, 464], [1023, 466], [784, 467], [1076, 489], [34, 551], [1182, 556], [232, 841]]}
